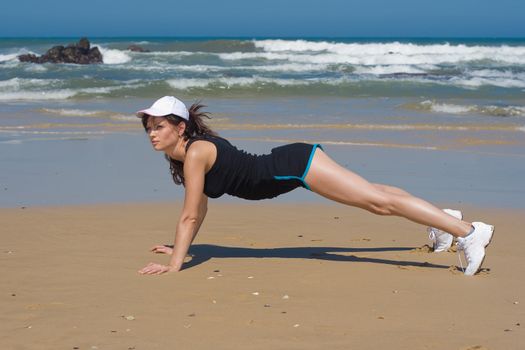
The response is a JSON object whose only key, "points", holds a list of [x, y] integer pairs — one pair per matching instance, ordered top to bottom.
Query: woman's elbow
{"points": [[191, 218]]}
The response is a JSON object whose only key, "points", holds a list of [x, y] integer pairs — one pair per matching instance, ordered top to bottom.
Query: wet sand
{"points": [[123, 168], [263, 275]]}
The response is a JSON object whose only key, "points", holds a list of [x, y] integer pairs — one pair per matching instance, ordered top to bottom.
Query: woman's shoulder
{"points": [[208, 138], [217, 141], [199, 146], [201, 151]]}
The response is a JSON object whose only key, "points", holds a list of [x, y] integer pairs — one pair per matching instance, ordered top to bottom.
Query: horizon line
{"points": [[248, 37]]}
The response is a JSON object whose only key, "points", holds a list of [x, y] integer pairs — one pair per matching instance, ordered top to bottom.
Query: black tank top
{"points": [[246, 175]]}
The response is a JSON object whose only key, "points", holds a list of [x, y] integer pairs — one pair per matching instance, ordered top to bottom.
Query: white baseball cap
{"points": [[165, 106]]}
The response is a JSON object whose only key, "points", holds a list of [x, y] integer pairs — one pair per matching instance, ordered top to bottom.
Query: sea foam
{"points": [[396, 52], [112, 56], [8, 57], [385, 70], [475, 82], [17, 83], [226, 83], [34, 95], [447, 108], [490, 110], [72, 112]]}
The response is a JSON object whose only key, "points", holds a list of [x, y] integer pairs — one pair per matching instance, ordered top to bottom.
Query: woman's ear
{"points": [[181, 128]]}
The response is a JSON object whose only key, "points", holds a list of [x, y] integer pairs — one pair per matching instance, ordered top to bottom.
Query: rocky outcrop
{"points": [[137, 48], [80, 53]]}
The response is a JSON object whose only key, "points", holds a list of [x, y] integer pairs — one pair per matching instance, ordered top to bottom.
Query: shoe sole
{"points": [[490, 241]]}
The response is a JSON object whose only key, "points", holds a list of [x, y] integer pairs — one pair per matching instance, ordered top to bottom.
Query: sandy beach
{"points": [[83, 197], [263, 276]]}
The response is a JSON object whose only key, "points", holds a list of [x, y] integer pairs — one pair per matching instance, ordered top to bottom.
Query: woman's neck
{"points": [[179, 150]]}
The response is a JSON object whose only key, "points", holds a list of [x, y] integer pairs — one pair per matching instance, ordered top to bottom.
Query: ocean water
{"points": [[435, 68], [461, 97]]}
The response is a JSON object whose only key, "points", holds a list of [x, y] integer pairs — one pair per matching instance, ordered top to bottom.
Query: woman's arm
{"points": [[193, 212], [189, 224], [168, 249]]}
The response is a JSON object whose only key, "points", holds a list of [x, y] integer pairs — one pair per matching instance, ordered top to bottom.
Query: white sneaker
{"points": [[442, 240], [474, 246]]}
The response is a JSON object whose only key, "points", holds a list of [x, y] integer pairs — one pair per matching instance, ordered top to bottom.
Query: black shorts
{"points": [[293, 161]]}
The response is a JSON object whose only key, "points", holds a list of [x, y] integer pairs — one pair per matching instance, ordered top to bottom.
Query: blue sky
{"points": [[278, 18]]}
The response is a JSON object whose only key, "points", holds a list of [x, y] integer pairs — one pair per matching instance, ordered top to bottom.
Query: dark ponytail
{"points": [[195, 127]]}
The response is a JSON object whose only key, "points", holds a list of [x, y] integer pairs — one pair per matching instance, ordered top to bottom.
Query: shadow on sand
{"points": [[203, 252]]}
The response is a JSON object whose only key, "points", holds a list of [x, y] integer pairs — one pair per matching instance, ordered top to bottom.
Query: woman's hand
{"points": [[162, 249], [156, 269]]}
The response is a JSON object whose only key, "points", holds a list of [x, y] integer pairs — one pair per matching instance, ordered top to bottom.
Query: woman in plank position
{"points": [[209, 166]]}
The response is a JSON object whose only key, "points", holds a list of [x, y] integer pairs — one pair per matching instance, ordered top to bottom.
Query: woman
{"points": [[209, 166]]}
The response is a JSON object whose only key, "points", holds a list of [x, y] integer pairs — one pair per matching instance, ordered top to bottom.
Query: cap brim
{"points": [[151, 111]]}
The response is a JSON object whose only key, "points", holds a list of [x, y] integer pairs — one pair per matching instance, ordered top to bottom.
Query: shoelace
{"points": [[431, 233], [460, 248]]}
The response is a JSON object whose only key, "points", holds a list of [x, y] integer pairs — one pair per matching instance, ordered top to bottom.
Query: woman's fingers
{"points": [[161, 249], [148, 269], [154, 269]]}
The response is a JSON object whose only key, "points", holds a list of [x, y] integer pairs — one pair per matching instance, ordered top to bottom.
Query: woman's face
{"points": [[162, 134]]}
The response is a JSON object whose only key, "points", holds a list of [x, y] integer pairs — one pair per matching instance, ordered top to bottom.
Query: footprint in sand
{"points": [[364, 239], [423, 249], [428, 249], [453, 249], [456, 270], [43, 306]]}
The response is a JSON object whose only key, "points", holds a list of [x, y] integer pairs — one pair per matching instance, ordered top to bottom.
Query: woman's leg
{"points": [[334, 182], [391, 189]]}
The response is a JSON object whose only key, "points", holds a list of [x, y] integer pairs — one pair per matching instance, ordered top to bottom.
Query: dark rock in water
{"points": [[83, 44], [137, 48], [80, 53], [28, 58]]}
